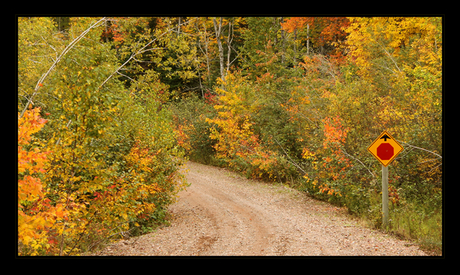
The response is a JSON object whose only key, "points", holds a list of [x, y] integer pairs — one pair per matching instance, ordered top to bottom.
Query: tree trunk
{"points": [[218, 30], [283, 38], [308, 39], [229, 40], [205, 51]]}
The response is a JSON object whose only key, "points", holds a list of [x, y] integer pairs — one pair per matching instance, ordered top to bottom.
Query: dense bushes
{"points": [[296, 100], [190, 116], [311, 124], [105, 162]]}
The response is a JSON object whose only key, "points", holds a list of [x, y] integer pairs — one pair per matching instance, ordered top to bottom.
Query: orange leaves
{"points": [[295, 23], [329, 28], [334, 29], [115, 31], [321, 31], [29, 124], [334, 132], [335, 136], [183, 139], [140, 159], [29, 161], [330, 161], [81, 175], [30, 188], [324, 188], [35, 214]]}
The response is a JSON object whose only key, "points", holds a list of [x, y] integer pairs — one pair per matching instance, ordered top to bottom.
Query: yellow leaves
{"points": [[377, 37], [30, 123], [233, 131], [183, 138], [236, 142], [307, 154], [140, 158], [89, 179], [35, 214], [26, 239]]}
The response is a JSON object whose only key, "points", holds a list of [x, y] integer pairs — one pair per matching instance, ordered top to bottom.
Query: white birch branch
{"points": [[141, 50], [64, 52], [420, 148], [346, 153], [290, 159]]}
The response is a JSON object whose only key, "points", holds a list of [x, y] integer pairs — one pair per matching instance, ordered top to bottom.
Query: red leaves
{"points": [[321, 31], [210, 98], [393, 194], [98, 195]]}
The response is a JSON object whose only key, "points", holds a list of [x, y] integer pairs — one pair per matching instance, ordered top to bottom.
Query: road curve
{"points": [[222, 213]]}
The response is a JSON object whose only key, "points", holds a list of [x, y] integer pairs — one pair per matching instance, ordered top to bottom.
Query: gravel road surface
{"points": [[222, 213]]}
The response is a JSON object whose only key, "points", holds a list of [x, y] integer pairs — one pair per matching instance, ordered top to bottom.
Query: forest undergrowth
{"points": [[109, 108]]}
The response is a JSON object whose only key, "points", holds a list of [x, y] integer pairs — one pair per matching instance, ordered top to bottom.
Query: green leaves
{"points": [[303, 98], [112, 150]]}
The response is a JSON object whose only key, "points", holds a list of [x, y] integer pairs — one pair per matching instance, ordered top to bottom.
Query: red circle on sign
{"points": [[385, 151]]}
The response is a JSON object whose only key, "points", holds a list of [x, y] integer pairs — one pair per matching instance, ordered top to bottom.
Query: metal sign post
{"points": [[385, 195]]}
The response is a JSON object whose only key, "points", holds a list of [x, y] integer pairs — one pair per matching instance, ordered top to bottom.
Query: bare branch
{"points": [[151, 49], [141, 50], [64, 52], [389, 55], [125, 76], [420, 149], [346, 153], [290, 159], [435, 167]]}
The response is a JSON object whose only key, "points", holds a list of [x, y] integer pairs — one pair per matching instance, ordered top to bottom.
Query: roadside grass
{"points": [[415, 222], [412, 223]]}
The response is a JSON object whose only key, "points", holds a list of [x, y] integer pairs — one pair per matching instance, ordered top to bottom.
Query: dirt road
{"points": [[222, 213]]}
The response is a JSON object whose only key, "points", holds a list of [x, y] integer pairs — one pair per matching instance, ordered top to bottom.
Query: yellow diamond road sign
{"points": [[385, 148]]}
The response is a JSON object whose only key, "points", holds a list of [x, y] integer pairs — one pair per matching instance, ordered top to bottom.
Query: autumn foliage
{"points": [[325, 33], [310, 95], [295, 100], [236, 142], [104, 164], [35, 214]]}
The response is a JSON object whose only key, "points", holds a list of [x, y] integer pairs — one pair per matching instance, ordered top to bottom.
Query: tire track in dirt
{"points": [[235, 220]]}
